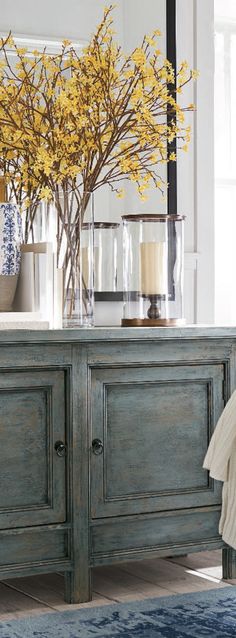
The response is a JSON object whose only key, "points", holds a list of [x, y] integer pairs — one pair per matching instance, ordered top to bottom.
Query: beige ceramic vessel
{"points": [[8, 285]]}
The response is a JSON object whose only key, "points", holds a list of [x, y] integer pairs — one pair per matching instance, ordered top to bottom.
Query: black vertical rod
{"points": [[172, 147]]}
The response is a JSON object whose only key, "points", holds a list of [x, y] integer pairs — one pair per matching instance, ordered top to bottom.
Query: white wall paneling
{"points": [[75, 19], [195, 43], [204, 161], [225, 167], [190, 272]]}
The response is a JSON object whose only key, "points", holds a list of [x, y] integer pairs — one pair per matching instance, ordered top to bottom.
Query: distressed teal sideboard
{"points": [[103, 435]]}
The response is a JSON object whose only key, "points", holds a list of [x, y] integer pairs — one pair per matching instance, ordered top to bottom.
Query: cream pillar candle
{"points": [[153, 268]]}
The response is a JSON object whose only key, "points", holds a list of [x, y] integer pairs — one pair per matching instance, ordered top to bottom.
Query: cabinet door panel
{"points": [[32, 419], [155, 424]]}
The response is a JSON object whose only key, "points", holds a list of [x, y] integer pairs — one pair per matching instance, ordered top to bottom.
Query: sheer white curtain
{"points": [[225, 161]]}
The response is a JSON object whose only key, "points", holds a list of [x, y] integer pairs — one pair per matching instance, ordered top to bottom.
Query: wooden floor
{"points": [[128, 581]]}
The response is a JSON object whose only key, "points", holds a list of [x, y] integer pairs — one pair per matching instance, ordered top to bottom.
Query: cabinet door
{"points": [[32, 420], [154, 423]]}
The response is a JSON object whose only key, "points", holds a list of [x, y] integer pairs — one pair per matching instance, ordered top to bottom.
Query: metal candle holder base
{"points": [[154, 312], [154, 317], [149, 323]]}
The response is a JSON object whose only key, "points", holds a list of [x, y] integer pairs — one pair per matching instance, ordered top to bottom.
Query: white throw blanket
{"points": [[221, 461]]}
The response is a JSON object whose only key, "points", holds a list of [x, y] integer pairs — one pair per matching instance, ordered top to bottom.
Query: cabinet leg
{"points": [[229, 562], [77, 589]]}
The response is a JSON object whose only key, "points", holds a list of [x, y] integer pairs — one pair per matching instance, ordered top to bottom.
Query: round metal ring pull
{"points": [[97, 446], [60, 448]]}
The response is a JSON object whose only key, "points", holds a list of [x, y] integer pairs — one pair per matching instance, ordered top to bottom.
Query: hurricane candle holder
{"points": [[105, 256], [153, 270]]}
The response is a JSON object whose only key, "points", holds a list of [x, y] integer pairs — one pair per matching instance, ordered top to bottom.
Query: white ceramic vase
{"points": [[10, 255]]}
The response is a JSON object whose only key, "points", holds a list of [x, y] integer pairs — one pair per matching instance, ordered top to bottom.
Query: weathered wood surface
{"points": [[107, 334], [152, 397], [32, 419], [156, 423], [158, 535], [229, 563], [78, 582]]}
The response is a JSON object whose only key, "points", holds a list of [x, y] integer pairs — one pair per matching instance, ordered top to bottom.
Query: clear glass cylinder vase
{"points": [[39, 222], [75, 256], [153, 270]]}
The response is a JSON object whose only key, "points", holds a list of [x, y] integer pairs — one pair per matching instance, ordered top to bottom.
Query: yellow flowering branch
{"points": [[75, 122]]}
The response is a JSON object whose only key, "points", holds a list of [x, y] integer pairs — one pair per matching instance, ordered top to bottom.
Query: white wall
{"points": [[141, 17], [76, 19], [195, 42], [225, 166]]}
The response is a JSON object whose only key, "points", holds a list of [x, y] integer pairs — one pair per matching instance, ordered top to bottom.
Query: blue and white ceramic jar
{"points": [[10, 254]]}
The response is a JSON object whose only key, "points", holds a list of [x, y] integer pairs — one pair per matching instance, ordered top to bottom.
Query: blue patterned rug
{"points": [[200, 615]]}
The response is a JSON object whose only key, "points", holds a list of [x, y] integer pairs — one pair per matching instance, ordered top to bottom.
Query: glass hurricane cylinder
{"points": [[39, 222], [75, 256], [105, 256], [153, 270]]}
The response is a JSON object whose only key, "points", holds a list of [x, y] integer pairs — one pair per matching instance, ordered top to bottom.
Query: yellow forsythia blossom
{"points": [[85, 119]]}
